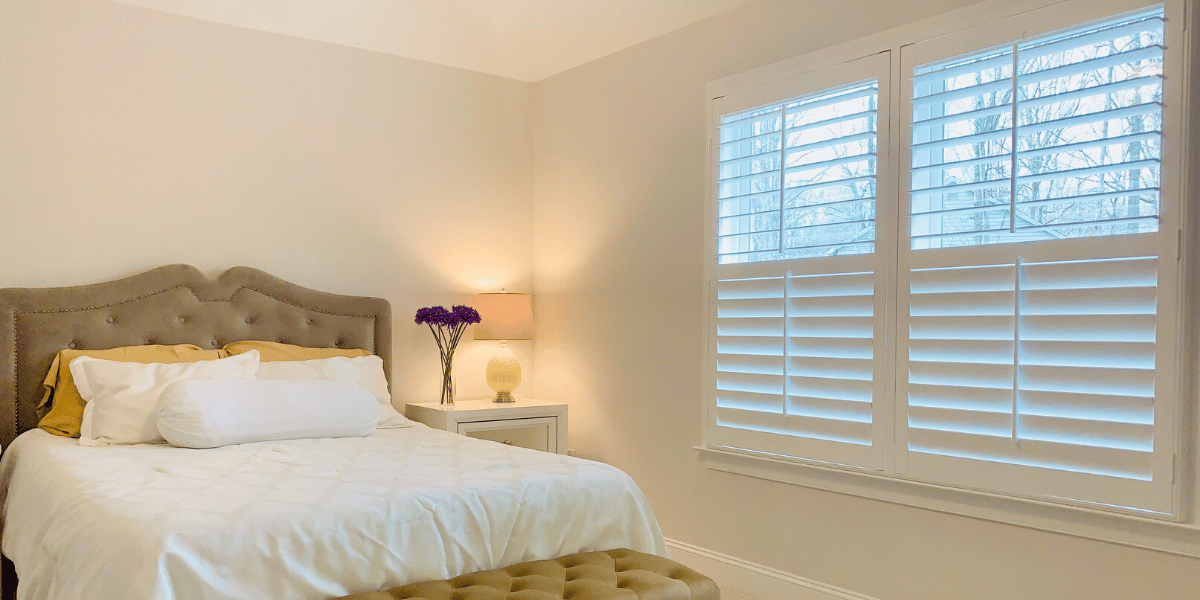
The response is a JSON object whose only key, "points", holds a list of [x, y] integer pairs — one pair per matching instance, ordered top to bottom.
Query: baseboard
{"points": [[756, 579]]}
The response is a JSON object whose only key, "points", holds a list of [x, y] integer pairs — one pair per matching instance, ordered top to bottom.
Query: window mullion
{"points": [[782, 167], [1012, 169]]}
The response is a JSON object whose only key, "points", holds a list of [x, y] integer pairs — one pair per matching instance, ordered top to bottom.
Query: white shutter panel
{"points": [[1089, 131], [1086, 141], [795, 305], [830, 335], [750, 348], [960, 359], [1028, 360], [1086, 363], [1044, 365], [795, 367]]}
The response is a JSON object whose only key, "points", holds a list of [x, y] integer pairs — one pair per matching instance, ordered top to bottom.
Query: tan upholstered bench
{"points": [[609, 575]]}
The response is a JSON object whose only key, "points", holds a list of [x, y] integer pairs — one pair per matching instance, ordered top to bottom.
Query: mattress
{"points": [[300, 518]]}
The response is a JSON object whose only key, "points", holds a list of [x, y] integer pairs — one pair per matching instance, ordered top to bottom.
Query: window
{"points": [[1029, 307], [1002, 318], [797, 336]]}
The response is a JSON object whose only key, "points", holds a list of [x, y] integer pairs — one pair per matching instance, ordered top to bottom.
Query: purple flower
{"points": [[465, 314], [433, 315], [437, 315], [447, 325]]}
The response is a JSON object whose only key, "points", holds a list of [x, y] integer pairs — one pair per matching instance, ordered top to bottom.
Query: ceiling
{"points": [[520, 39]]}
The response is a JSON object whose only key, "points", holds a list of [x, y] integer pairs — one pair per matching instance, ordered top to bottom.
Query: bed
{"points": [[310, 518]]}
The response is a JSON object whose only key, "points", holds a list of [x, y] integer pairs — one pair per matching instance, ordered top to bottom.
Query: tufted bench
{"points": [[608, 575]]}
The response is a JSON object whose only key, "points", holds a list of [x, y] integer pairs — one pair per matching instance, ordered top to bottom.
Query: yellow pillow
{"points": [[275, 351], [61, 404]]}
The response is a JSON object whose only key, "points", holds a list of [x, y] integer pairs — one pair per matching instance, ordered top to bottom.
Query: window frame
{"points": [[879, 66], [1163, 244], [1178, 536]]}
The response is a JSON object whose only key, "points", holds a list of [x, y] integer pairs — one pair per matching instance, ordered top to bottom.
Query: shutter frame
{"points": [[805, 414], [1143, 449], [1009, 507]]}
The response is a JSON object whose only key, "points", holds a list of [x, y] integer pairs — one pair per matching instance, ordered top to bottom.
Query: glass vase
{"points": [[448, 379]]}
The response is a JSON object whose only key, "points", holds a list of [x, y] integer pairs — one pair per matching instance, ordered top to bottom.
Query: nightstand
{"points": [[527, 423]]}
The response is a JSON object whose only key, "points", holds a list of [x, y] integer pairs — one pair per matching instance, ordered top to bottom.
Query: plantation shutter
{"points": [[798, 322], [1029, 359]]}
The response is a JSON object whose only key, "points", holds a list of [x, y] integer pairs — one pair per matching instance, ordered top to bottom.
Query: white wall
{"points": [[131, 138], [618, 206]]}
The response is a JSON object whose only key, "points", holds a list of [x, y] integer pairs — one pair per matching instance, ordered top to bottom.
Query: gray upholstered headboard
{"points": [[175, 304]]}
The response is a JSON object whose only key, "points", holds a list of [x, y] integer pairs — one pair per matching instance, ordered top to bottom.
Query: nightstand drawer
{"points": [[527, 423], [535, 433]]}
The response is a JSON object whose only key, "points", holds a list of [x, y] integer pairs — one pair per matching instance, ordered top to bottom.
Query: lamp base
{"points": [[503, 373]]}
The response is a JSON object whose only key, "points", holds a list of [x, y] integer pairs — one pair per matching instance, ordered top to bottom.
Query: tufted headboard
{"points": [[175, 304]]}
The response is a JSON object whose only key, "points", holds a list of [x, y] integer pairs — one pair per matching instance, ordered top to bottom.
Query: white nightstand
{"points": [[527, 423]]}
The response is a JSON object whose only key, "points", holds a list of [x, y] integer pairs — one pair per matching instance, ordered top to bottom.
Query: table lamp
{"points": [[505, 317]]}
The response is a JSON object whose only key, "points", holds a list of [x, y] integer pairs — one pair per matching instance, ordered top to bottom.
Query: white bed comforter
{"points": [[303, 519]]}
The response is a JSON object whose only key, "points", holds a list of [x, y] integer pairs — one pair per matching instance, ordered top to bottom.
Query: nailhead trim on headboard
{"points": [[198, 299]]}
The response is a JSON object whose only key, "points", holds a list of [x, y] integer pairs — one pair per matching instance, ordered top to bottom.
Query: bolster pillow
{"points": [[209, 413]]}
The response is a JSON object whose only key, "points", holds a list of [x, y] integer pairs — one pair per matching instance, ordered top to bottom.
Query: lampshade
{"points": [[504, 317]]}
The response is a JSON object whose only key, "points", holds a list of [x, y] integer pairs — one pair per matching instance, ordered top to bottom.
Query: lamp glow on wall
{"points": [[505, 317]]}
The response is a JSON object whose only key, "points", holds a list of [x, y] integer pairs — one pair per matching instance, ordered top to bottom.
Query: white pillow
{"points": [[364, 371], [121, 396], [209, 413]]}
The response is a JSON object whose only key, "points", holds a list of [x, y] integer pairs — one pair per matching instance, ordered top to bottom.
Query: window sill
{"points": [[1181, 539]]}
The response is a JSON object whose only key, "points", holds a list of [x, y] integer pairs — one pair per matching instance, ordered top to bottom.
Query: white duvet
{"points": [[305, 519]]}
